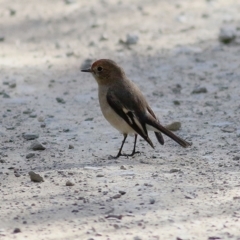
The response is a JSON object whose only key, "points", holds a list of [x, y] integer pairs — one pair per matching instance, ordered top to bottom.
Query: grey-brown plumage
{"points": [[125, 107]]}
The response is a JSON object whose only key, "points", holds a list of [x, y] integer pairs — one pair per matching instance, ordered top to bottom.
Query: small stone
{"points": [[12, 12], [227, 34], [103, 37], [2, 39], [131, 39], [86, 64], [12, 85], [177, 88], [199, 90], [5, 95], [60, 100], [176, 102], [27, 111], [33, 115], [41, 119], [88, 119], [43, 125], [175, 126], [10, 128], [228, 129], [30, 136], [37, 146], [71, 146], [30, 155], [236, 158], [123, 168], [174, 170], [17, 174], [100, 175], [35, 177], [70, 183], [122, 192], [117, 196], [236, 198], [152, 201], [17, 230], [137, 238]]}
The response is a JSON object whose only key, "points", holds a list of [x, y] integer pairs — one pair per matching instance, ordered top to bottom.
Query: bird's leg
{"points": [[134, 147], [120, 150]]}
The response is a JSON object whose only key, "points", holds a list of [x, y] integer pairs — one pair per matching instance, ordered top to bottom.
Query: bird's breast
{"points": [[111, 116]]}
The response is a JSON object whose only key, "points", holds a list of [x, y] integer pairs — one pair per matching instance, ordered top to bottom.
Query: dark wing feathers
{"points": [[136, 124], [159, 136]]}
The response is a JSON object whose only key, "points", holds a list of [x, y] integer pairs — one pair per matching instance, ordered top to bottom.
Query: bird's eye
{"points": [[99, 69]]}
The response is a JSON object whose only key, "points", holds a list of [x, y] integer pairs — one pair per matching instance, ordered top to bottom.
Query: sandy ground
{"points": [[165, 193]]}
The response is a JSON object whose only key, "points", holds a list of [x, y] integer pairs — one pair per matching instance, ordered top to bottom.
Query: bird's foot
{"points": [[123, 155]]}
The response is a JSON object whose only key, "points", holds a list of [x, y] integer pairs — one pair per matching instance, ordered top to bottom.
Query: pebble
{"points": [[227, 34], [103, 37], [131, 39], [86, 63], [12, 84], [177, 88], [199, 90], [5, 95], [60, 100], [176, 102], [27, 111], [33, 115], [41, 119], [88, 119], [175, 126], [10, 128], [228, 129], [30, 136], [37, 146], [71, 146], [30, 155], [123, 167], [92, 168], [174, 170], [100, 175], [35, 177], [70, 183], [122, 192], [117, 196], [236, 198], [152, 201], [17, 230]]}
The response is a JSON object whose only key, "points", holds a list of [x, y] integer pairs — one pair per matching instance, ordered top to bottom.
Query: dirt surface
{"points": [[174, 54]]}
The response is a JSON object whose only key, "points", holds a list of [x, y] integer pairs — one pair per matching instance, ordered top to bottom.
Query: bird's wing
{"points": [[129, 115], [159, 136]]}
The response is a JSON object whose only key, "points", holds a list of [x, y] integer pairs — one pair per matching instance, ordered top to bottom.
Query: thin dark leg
{"points": [[134, 147], [120, 150]]}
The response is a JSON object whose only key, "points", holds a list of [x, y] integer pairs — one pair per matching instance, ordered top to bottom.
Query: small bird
{"points": [[124, 106]]}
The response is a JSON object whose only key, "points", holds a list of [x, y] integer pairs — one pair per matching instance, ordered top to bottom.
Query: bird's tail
{"points": [[155, 124]]}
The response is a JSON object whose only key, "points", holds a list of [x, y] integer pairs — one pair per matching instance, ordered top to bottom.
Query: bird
{"points": [[125, 107]]}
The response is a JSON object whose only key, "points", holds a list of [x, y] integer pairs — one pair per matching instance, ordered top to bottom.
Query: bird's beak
{"points": [[86, 70]]}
